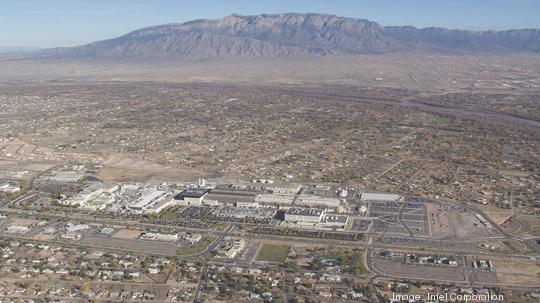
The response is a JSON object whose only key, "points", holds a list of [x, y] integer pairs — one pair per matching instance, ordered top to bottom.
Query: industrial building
{"points": [[129, 189], [285, 189], [191, 196], [94, 197], [383, 197], [231, 198], [148, 199], [275, 200], [318, 201], [159, 206], [309, 215], [335, 221], [70, 228], [159, 236]]}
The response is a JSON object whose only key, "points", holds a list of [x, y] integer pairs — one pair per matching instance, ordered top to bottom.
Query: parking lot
{"points": [[248, 215], [400, 218]]}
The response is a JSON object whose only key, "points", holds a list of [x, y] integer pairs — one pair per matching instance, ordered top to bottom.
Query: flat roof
{"points": [[233, 192], [191, 193], [229, 198], [147, 199], [159, 204], [314, 212], [335, 219]]}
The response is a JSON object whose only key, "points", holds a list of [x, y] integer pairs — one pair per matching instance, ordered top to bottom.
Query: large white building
{"points": [[286, 189], [95, 197], [383, 197], [148, 199], [272, 199], [318, 201], [159, 206], [311, 215], [159, 236]]}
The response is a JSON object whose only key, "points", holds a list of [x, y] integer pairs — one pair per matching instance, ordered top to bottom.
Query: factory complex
{"points": [[324, 206]]}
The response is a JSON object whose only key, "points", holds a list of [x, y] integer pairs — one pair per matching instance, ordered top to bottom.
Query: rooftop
{"points": [[191, 193], [230, 197], [147, 199], [304, 211], [335, 219]]}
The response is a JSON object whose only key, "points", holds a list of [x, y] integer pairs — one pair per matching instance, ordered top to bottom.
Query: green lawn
{"points": [[272, 253]]}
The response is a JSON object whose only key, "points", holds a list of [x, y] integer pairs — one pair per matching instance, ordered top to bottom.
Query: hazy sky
{"points": [[49, 23]]}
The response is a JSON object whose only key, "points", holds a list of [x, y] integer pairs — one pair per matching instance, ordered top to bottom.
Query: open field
{"points": [[529, 226], [125, 233], [140, 246], [272, 253], [524, 267]]}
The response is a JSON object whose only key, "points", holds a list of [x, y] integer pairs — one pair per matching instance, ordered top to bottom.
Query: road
{"points": [[437, 245], [469, 280], [200, 285]]}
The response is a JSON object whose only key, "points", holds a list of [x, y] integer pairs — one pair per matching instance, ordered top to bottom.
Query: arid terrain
{"points": [[475, 141], [428, 167]]}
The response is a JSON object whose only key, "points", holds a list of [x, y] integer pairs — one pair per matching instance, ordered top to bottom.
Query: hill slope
{"points": [[286, 35]]}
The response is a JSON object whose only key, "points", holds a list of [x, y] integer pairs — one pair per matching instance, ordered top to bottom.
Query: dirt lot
{"points": [[22, 221], [525, 225], [127, 234], [515, 266], [518, 279]]}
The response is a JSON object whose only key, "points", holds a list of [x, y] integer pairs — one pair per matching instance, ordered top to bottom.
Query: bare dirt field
{"points": [[22, 221], [526, 225], [127, 234], [517, 266]]}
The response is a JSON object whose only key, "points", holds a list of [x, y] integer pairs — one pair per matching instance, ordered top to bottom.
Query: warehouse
{"points": [[285, 189], [191, 196], [384, 197], [230, 198], [146, 200], [274, 200], [318, 201], [159, 206], [304, 215], [337, 221], [159, 236]]}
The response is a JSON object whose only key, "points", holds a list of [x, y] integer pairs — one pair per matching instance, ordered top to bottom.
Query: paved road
{"points": [[200, 285]]}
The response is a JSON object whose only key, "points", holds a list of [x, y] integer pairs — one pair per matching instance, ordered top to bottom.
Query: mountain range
{"points": [[294, 35]]}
